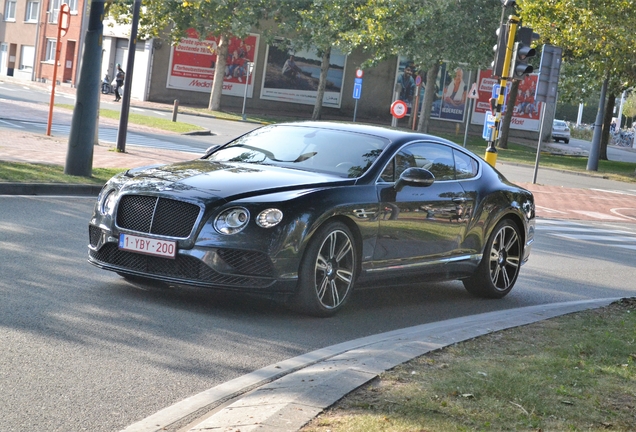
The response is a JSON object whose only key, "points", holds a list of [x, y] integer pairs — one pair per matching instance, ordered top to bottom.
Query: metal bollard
{"points": [[175, 110]]}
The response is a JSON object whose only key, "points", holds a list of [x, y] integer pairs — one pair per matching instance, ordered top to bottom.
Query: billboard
{"points": [[193, 62], [292, 76], [451, 89], [526, 113]]}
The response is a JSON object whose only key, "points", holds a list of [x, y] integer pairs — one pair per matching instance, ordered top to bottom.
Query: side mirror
{"points": [[415, 177]]}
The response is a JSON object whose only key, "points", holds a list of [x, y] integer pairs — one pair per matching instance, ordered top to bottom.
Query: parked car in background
{"points": [[560, 131], [303, 212]]}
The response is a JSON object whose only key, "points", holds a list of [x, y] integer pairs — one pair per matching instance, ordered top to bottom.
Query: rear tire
{"points": [[327, 271], [497, 273]]}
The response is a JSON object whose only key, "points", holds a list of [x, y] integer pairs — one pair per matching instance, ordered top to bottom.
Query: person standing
{"points": [[119, 81]]}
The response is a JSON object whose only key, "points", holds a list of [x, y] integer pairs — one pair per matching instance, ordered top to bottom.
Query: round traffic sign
{"points": [[359, 73], [418, 80], [398, 109]]}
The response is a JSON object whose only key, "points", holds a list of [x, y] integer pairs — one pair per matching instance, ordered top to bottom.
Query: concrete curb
{"points": [[49, 189], [286, 395]]}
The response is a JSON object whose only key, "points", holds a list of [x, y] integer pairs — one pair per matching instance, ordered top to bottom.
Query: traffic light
{"points": [[500, 51], [522, 53]]}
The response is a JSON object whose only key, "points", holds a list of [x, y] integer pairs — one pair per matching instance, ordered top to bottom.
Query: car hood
{"points": [[225, 179]]}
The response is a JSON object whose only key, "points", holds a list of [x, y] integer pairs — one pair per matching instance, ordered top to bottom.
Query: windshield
{"points": [[343, 153]]}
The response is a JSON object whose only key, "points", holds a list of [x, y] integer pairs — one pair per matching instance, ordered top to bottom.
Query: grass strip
{"points": [[576, 372]]}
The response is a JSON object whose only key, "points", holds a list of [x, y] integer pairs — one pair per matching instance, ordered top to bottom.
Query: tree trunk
{"points": [[219, 73], [322, 83], [429, 96], [507, 118], [607, 121]]}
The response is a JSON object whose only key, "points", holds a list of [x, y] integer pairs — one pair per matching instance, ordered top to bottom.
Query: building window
{"points": [[32, 9], [54, 9], [9, 10], [51, 44], [27, 54]]}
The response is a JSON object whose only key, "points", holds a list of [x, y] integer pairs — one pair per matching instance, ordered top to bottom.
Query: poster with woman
{"points": [[193, 63], [292, 76], [451, 89]]}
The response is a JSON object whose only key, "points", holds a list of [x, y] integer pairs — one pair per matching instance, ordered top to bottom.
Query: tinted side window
{"points": [[436, 158], [465, 166]]}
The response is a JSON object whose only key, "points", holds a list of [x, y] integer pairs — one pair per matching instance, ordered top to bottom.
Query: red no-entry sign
{"points": [[398, 109]]}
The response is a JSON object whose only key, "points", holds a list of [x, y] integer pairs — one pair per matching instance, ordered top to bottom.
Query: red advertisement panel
{"points": [[193, 62], [526, 112]]}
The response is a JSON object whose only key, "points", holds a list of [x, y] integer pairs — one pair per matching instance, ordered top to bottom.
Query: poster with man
{"points": [[193, 63], [292, 76]]}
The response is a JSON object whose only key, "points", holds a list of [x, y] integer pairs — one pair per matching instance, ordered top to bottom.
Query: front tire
{"points": [[327, 271], [497, 273]]}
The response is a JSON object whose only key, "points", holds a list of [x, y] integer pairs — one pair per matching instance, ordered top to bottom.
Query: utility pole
{"points": [[79, 157]]}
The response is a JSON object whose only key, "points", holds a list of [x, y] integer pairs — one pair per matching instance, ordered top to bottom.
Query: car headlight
{"points": [[108, 201], [269, 218], [232, 220]]}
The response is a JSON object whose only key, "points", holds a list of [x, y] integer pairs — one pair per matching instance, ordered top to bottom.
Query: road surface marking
{"points": [[598, 215]]}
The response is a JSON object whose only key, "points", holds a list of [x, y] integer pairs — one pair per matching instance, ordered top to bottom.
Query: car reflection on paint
{"points": [[304, 212]]}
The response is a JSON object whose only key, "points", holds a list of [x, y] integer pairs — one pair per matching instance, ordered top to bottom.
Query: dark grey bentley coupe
{"points": [[305, 211]]}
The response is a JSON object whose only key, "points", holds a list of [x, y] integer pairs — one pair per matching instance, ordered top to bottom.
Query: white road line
{"points": [[11, 124], [613, 191], [616, 211], [598, 215], [582, 229], [598, 237]]}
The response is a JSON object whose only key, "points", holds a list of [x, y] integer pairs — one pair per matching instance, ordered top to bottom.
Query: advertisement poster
{"points": [[193, 62], [292, 76], [451, 89], [526, 113]]}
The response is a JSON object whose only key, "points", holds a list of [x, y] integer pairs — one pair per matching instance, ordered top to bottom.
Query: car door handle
{"points": [[459, 200]]}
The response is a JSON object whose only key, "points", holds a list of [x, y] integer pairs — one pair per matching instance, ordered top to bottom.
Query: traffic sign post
{"points": [[357, 90], [472, 95], [414, 112]]}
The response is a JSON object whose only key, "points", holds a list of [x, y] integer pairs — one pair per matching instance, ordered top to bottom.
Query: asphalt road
{"points": [[35, 120], [82, 349]]}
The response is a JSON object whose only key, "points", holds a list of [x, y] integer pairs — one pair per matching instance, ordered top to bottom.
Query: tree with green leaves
{"points": [[222, 19], [324, 25], [429, 32], [599, 42]]}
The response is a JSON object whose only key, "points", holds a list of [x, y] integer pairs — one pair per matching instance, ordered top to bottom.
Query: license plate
{"points": [[144, 245]]}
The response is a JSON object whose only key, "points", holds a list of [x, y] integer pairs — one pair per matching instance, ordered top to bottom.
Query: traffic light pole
{"points": [[491, 150]]}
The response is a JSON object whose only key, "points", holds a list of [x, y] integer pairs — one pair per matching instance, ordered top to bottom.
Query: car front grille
{"points": [[154, 215], [184, 267]]}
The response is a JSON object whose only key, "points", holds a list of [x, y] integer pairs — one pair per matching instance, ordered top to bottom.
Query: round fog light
{"points": [[269, 218]]}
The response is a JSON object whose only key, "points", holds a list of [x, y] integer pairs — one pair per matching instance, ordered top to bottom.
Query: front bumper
{"points": [[224, 268]]}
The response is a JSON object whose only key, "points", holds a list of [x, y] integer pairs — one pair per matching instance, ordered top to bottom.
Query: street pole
{"points": [[130, 64], [247, 83], [491, 151], [595, 151], [79, 157]]}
